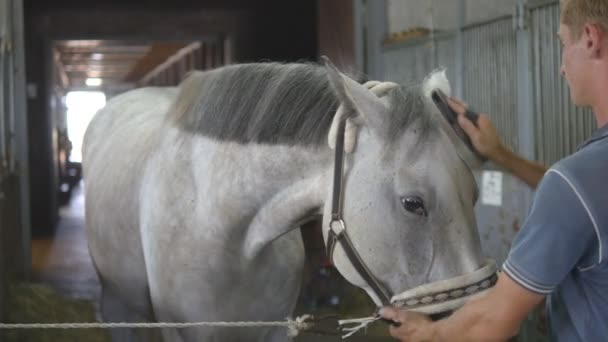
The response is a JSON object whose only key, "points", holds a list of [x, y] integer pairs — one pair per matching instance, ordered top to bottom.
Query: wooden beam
{"points": [[336, 32], [157, 54], [169, 61], [64, 80]]}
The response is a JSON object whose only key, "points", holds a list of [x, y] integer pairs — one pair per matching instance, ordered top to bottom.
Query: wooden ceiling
{"points": [[118, 63]]}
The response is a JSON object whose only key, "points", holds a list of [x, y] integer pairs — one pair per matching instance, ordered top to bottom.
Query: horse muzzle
{"points": [[449, 294]]}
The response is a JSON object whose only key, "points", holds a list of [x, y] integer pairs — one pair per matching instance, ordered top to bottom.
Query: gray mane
{"points": [[276, 103]]}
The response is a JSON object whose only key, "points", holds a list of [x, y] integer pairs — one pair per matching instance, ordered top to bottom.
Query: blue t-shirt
{"points": [[562, 248]]}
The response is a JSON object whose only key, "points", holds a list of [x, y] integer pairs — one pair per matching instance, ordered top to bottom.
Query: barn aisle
{"points": [[62, 261]]}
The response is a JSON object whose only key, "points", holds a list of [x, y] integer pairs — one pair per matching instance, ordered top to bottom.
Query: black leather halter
{"points": [[337, 228]]}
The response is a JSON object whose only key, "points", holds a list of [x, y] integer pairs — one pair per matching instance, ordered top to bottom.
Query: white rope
{"points": [[361, 323], [294, 326]]}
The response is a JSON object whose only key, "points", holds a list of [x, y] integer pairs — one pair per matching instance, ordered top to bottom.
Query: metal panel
{"points": [[3, 27], [376, 30], [5, 33], [411, 62], [407, 65], [490, 75], [514, 76], [489, 81], [490, 85], [560, 126], [20, 136], [14, 172]]}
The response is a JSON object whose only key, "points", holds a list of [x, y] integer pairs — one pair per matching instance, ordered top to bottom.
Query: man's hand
{"points": [[484, 136], [486, 141], [414, 327]]}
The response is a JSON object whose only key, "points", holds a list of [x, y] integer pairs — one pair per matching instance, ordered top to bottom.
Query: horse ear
{"points": [[437, 79], [359, 103]]}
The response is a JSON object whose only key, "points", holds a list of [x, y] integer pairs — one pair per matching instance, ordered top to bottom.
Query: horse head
{"points": [[399, 220]]}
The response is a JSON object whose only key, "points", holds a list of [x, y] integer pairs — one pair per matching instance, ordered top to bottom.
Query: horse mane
{"points": [[274, 103]]}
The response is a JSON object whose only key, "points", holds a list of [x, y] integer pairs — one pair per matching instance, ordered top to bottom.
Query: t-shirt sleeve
{"points": [[554, 238]]}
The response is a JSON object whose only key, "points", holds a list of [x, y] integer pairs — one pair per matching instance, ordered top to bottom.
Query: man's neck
{"points": [[600, 88], [600, 95], [600, 109], [601, 120]]}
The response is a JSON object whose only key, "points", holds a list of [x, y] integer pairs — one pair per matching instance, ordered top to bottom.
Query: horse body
{"points": [[114, 156], [188, 223], [173, 247], [235, 252]]}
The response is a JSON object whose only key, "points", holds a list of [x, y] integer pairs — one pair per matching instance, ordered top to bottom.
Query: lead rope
{"points": [[361, 323], [293, 325]]}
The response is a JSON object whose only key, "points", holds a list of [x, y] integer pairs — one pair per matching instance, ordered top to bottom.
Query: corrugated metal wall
{"points": [[411, 62], [490, 64], [490, 74], [491, 77], [489, 81], [490, 85], [560, 126]]}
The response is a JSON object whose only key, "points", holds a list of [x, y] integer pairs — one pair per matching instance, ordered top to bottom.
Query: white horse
{"points": [[194, 197]]}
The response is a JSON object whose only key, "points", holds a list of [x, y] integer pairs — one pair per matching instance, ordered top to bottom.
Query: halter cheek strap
{"points": [[337, 228]]}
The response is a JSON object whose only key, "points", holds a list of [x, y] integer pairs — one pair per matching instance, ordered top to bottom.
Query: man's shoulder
{"points": [[586, 167], [584, 175]]}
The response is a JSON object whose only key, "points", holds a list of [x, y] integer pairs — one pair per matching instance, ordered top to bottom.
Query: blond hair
{"points": [[576, 13]]}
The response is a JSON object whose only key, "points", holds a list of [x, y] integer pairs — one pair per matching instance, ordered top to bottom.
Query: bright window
{"points": [[82, 106]]}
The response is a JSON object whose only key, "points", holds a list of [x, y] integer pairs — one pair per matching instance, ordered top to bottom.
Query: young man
{"points": [[561, 252]]}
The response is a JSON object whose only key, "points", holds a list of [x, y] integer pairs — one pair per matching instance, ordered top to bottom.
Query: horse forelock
{"points": [[274, 103], [409, 109]]}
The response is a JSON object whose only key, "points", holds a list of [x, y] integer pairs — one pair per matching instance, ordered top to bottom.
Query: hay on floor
{"points": [[36, 303]]}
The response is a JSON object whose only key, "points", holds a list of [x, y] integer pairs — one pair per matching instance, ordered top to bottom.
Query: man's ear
{"points": [[594, 37]]}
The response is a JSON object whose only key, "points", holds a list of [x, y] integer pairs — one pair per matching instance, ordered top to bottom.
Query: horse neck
{"points": [[263, 171], [263, 191]]}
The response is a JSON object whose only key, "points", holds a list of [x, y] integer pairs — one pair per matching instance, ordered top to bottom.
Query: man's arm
{"points": [[485, 139], [530, 172], [496, 316]]}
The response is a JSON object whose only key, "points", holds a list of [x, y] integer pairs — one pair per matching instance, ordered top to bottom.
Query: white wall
{"points": [[443, 14]]}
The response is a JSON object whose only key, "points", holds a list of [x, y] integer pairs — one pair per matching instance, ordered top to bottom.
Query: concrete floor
{"points": [[63, 262]]}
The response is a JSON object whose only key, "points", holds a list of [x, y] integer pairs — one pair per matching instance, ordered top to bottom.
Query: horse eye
{"points": [[415, 205]]}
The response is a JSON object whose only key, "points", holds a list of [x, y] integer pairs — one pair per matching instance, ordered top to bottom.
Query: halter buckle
{"points": [[341, 226]]}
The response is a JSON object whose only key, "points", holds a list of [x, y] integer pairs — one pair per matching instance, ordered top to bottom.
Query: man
{"points": [[561, 252]]}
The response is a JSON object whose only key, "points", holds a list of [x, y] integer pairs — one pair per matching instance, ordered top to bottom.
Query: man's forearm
{"points": [[528, 171], [494, 316], [479, 320]]}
